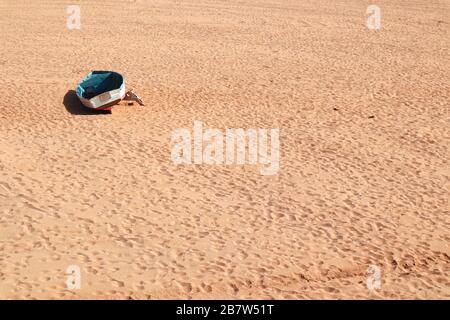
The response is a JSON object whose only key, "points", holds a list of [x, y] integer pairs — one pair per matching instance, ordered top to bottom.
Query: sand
{"points": [[364, 140]]}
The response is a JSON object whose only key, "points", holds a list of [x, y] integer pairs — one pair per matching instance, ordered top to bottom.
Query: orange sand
{"points": [[364, 137]]}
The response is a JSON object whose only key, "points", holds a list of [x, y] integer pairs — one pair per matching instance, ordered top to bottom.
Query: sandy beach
{"points": [[363, 179]]}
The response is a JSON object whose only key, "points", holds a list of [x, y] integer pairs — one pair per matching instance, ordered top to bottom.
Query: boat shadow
{"points": [[75, 107]]}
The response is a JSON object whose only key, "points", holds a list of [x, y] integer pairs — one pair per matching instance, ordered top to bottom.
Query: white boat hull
{"points": [[104, 100]]}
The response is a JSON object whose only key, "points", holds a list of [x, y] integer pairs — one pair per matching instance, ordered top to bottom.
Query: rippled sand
{"points": [[364, 137]]}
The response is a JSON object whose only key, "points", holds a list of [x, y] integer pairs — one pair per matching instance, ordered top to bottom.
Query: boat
{"points": [[101, 90]]}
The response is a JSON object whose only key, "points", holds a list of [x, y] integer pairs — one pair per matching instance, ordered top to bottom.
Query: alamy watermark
{"points": [[74, 17], [374, 19], [233, 146], [373, 277], [73, 280]]}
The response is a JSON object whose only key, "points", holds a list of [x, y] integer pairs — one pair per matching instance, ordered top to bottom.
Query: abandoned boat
{"points": [[101, 90]]}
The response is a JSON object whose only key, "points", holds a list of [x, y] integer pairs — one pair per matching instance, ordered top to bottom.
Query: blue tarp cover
{"points": [[98, 82]]}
